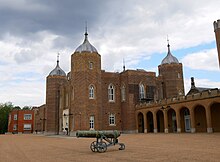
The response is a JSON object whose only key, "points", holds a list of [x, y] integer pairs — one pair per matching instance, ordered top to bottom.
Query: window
{"points": [[90, 65], [178, 75], [141, 91], [91, 92], [150, 92], [111, 93], [123, 93], [27, 116], [15, 117], [112, 119], [91, 122], [27, 126], [15, 127]]}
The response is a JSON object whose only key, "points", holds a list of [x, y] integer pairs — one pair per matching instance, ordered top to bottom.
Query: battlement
{"points": [[216, 24], [202, 95]]}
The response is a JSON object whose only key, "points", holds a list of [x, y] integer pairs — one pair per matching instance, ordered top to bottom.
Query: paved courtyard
{"points": [[139, 147]]}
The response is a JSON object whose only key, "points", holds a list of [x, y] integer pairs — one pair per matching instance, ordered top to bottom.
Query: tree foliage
{"points": [[4, 112]]}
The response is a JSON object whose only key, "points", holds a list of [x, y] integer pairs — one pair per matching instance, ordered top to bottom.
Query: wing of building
{"points": [[89, 98]]}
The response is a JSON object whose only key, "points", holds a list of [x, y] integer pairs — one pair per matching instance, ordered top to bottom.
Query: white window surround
{"points": [[90, 65], [141, 91], [91, 92], [111, 93], [123, 93], [27, 116], [15, 117], [112, 120], [92, 122], [27, 126], [15, 127]]}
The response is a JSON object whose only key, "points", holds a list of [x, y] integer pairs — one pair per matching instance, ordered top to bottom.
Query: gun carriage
{"points": [[104, 139]]}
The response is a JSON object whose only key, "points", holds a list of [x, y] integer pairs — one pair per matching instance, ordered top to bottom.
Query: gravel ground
{"points": [[139, 147]]}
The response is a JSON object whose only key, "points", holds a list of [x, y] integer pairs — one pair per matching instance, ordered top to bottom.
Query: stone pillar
{"points": [[136, 118], [209, 120], [178, 121], [192, 121], [145, 122], [155, 122], [165, 122]]}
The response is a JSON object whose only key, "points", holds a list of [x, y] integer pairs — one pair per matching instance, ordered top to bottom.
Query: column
{"points": [[136, 118], [192, 120], [209, 120], [178, 121], [145, 122], [155, 122], [165, 122]]}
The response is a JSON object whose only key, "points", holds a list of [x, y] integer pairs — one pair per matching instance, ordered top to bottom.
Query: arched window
{"points": [[141, 91], [91, 92], [111, 93], [123, 93]]}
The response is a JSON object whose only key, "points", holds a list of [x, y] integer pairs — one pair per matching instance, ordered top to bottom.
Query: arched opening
{"points": [[215, 114], [200, 119], [185, 120], [160, 121], [150, 122], [140, 123], [172, 125]]}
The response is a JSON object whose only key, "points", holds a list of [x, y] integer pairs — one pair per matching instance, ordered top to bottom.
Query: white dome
{"points": [[86, 46], [169, 59]]}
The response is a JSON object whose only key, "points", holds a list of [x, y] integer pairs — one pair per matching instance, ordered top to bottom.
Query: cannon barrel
{"points": [[98, 134]]}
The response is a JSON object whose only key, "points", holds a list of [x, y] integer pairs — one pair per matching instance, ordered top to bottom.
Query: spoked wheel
{"points": [[94, 146], [122, 146], [102, 147]]}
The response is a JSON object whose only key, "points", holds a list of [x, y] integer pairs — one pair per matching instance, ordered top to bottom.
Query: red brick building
{"points": [[89, 98], [21, 121]]}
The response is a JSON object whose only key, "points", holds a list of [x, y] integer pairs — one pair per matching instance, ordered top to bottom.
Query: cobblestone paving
{"points": [[139, 147]]}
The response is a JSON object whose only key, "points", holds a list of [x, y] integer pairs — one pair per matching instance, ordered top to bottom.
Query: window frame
{"points": [[141, 91], [91, 92], [111, 93], [123, 94], [15, 116], [26, 117], [112, 119], [92, 122], [27, 128]]}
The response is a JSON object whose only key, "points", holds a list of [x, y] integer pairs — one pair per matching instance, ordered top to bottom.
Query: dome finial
{"points": [[86, 29], [168, 44], [58, 55]]}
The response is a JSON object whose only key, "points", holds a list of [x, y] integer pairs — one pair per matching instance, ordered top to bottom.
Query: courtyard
{"points": [[139, 147]]}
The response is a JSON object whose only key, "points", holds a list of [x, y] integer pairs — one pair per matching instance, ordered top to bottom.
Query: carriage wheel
{"points": [[93, 146], [122, 146], [102, 147]]}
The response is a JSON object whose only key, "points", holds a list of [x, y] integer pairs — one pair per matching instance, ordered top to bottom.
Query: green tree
{"points": [[26, 108], [4, 112]]}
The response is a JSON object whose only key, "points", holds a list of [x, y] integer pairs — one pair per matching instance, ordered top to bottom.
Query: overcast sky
{"points": [[32, 32]]}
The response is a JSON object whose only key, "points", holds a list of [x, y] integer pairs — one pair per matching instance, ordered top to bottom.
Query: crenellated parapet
{"points": [[216, 24], [198, 96]]}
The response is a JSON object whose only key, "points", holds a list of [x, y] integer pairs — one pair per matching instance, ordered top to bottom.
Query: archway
{"points": [[215, 114], [200, 119], [185, 120], [160, 121], [150, 122], [140, 123], [172, 125]]}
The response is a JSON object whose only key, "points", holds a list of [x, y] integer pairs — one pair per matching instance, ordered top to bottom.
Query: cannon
{"points": [[104, 139]]}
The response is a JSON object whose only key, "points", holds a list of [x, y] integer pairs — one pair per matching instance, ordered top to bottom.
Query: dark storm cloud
{"points": [[60, 17]]}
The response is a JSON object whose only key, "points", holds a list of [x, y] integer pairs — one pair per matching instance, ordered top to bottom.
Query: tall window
{"points": [[90, 65], [141, 91], [91, 92], [111, 93], [123, 93], [27, 116], [15, 117], [112, 119], [91, 122], [15, 127]]}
